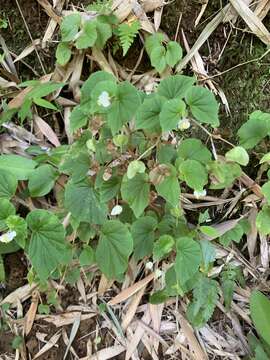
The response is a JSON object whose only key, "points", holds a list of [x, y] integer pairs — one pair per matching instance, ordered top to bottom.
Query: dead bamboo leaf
{"points": [[151, 5], [58, 6], [203, 8], [122, 9], [262, 9], [49, 10], [157, 17], [252, 20], [207, 31], [28, 50], [101, 60], [46, 130], [251, 184], [252, 235], [264, 250], [22, 293], [126, 293], [131, 311], [31, 313], [65, 318], [73, 332], [139, 332], [192, 340], [52, 342], [106, 354]]}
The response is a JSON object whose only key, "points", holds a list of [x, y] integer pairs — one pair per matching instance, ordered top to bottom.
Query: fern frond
{"points": [[127, 32]]}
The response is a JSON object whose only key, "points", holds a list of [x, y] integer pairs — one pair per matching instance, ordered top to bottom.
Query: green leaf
{"points": [[70, 26], [104, 32], [88, 36], [153, 41], [63, 53], [174, 53], [157, 57], [92, 81], [175, 86], [43, 89], [44, 103], [203, 105], [124, 106], [25, 110], [172, 112], [147, 116], [77, 119], [254, 130], [193, 149], [166, 153], [238, 154], [265, 158], [76, 164], [20, 167], [135, 167], [194, 174], [223, 174], [42, 180], [8, 184], [169, 188], [109, 189], [266, 191], [135, 192], [83, 203], [6, 209], [263, 220], [18, 224], [209, 231], [143, 234], [234, 234], [162, 247], [47, 248], [114, 248], [208, 255], [87, 256], [188, 258], [2, 269], [228, 283], [205, 295], [159, 297], [260, 314]]}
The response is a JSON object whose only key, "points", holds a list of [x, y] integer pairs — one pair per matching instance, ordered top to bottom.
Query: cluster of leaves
{"points": [[86, 30], [162, 54], [34, 95], [121, 200]]}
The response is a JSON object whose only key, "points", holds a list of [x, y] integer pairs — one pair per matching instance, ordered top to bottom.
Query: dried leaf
{"points": [[46, 130]]}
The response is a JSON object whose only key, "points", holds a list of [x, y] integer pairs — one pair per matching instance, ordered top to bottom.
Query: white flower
{"points": [[104, 99], [183, 124], [199, 194], [116, 210], [8, 237], [149, 265], [158, 273]]}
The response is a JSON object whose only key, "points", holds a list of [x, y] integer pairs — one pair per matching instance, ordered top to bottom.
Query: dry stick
{"points": [[178, 27], [29, 34]]}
